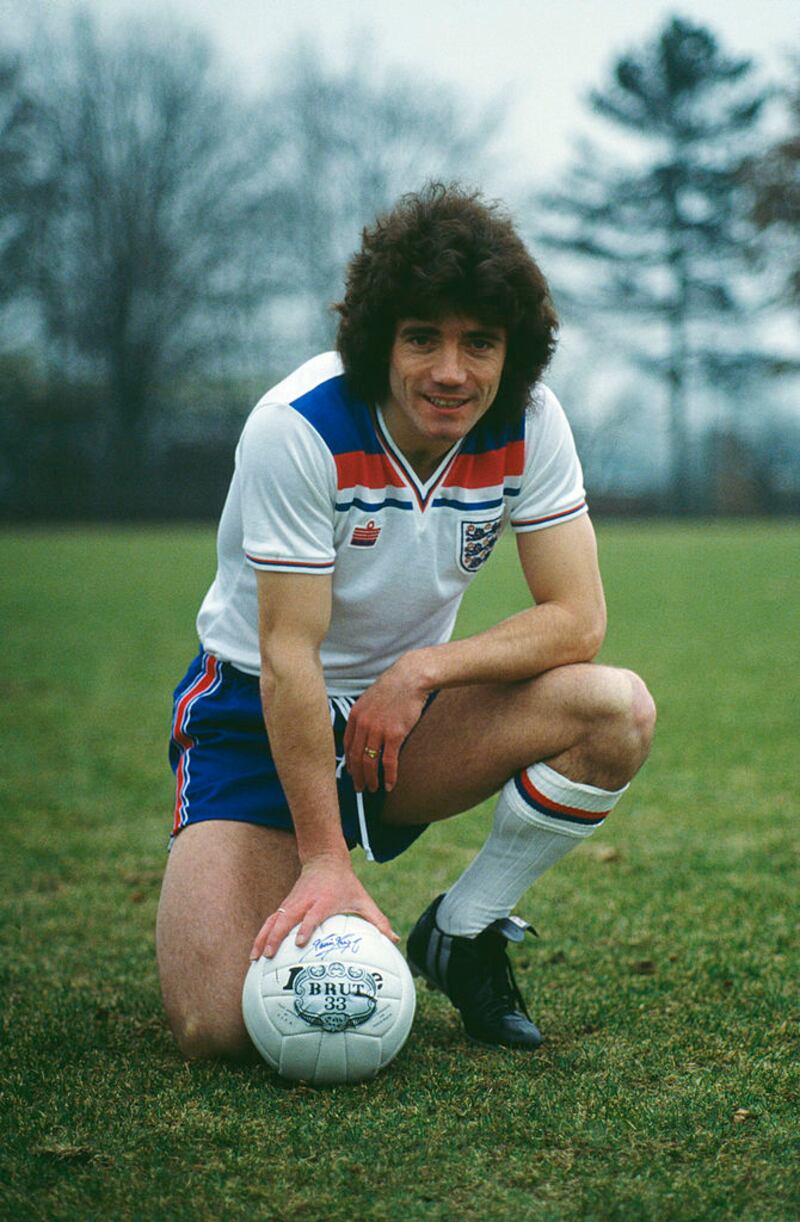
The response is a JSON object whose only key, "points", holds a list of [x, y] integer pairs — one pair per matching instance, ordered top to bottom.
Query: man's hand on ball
{"points": [[327, 885]]}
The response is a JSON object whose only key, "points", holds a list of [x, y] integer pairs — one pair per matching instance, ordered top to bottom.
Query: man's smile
{"points": [[438, 401]]}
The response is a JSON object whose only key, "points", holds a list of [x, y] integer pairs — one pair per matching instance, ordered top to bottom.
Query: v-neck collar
{"points": [[423, 490]]}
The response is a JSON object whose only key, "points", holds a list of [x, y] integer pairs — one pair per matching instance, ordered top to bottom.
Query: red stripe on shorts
{"points": [[201, 684]]}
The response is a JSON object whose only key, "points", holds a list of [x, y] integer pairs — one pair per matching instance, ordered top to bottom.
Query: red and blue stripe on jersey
{"points": [[484, 473], [371, 474]]}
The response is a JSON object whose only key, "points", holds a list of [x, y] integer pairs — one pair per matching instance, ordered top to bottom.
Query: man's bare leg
{"points": [[592, 723], [593, 726], [222, 879]]}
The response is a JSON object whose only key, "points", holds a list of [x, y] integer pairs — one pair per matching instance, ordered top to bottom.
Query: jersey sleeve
{"points": [[552, 484], [288, 493]]}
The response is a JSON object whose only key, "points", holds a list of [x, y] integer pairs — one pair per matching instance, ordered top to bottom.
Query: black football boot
{"points": [[476, 975]]}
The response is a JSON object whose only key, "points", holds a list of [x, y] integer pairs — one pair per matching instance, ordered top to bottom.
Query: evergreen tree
{"points": [[665, 231]]}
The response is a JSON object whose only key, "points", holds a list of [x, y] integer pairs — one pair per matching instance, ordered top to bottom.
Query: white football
{"points": [[336, 1010]]}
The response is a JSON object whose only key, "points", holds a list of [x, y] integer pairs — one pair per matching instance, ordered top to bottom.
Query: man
{"points": [[370, 487]]}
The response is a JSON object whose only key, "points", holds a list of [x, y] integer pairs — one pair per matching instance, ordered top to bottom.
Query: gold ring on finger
{"points": [[371, 752]]}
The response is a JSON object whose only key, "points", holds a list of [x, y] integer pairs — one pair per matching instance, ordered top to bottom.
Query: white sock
{"points": [[540, 816]]}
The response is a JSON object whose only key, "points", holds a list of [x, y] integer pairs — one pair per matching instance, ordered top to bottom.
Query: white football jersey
{"points": [[320, 487]]}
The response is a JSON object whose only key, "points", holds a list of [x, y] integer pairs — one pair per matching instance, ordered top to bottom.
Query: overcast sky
{"points": [[549, 52]]}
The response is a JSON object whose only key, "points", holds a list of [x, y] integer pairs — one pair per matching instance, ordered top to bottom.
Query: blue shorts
{"points": [[223, 765]]}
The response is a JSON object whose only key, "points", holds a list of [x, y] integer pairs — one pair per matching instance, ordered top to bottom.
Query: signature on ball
{"points": [[335, 942]]}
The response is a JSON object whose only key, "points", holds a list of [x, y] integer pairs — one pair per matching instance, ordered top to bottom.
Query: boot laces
{"points": [[501, 990]]}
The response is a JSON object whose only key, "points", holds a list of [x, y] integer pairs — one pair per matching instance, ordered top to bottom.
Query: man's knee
{"points": [[643, 712], [613, 718], [623, 718], [201, 987], [210, 1037]]}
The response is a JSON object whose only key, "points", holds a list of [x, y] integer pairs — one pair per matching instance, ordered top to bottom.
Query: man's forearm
{"points": [[520, 647], [298, 723]]}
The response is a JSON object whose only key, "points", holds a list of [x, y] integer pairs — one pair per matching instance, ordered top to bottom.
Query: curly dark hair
{"points": [[440, 251]]}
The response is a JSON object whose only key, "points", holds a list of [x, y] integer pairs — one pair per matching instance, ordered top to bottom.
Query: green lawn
{"points": [[665, 979]]}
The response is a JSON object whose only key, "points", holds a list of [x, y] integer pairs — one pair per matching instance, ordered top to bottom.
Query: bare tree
{"points": [[352, 140], [774, 178], [20, 183], [179, 228], [144, 241]]}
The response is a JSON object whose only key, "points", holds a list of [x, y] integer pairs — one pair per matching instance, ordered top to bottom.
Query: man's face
{"points": [[443, 376]]}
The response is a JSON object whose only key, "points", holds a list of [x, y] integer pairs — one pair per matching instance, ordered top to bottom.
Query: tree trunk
{"points": [[128, 437], [681, 479]]}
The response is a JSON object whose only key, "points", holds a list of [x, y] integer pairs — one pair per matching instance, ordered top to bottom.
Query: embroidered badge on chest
{"points": [[365, 535], [477, 541]]}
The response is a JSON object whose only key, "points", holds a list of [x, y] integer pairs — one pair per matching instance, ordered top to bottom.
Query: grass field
{"points": [[665, 979]]}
